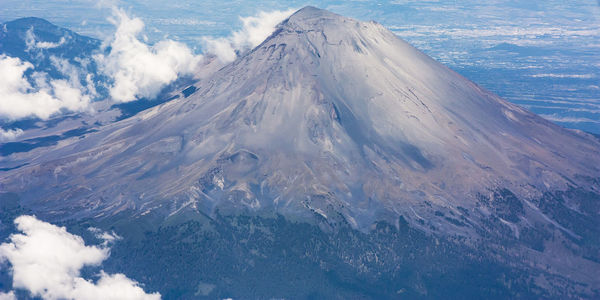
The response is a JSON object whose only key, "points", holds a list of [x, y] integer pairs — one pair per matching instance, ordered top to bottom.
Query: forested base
{"points": [[253, 257], [260, 257]]}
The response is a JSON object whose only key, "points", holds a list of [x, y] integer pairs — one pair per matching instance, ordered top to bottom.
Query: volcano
{"points": [[341, 125]]}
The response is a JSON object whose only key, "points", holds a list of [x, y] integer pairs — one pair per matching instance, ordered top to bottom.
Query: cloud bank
{"points": [[255, 30], [134, 68], [137, 69], [19, 98], [46, 261]]}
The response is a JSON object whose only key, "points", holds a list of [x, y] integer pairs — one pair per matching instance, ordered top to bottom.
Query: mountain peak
{"points": [[311, 12], [313, 18], [30, 21], [328, 116]]}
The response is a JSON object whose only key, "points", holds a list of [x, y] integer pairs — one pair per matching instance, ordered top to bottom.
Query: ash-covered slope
{"points": [[329, 115]]}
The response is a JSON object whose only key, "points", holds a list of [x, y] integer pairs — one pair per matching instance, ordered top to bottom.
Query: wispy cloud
{"points": [[184, 21], [254, 31], [497, 31], [32, 43], [552, 75], [565, 108], [561, 119], [46, 260]]}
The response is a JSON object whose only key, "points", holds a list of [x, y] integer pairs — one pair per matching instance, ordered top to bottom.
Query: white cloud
{"points": [[184, 21], [255, 30], [469, 32], [32, 44], [137, 69], [552, 75], [19, 98], [561, 119], [9, 134], [107, 237], [46, 261], [8, 296]]}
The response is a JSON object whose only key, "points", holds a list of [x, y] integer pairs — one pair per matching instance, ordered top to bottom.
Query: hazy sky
{"points": [[187, 20]]}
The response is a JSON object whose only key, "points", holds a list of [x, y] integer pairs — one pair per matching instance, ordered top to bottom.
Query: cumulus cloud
{"points": [[255, 30], [135, 69], [139, 70], [19, 98], [9, 135], [46, 261]]}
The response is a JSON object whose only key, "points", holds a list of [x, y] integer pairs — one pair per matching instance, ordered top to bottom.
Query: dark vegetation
{"points": [[265, 257], [259, 258]]}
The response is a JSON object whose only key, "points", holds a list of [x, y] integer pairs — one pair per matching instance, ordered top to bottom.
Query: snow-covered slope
{"points": [[329, 117]]}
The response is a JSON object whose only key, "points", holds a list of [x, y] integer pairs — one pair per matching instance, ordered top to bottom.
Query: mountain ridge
{"points": [[36, 40]]}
